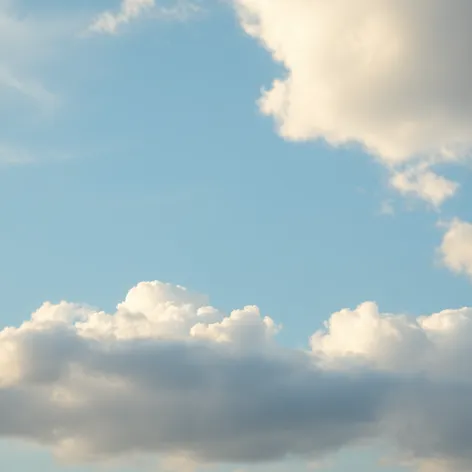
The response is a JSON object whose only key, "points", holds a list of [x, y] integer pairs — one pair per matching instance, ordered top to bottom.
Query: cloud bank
{"points": [[392, 76], [169, 374]]}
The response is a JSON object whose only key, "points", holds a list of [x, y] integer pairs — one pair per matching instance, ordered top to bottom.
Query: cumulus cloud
{"points": [[109, 22], [391, 75], [424, 183], [456, 247], [167, 373], [431, 430]]}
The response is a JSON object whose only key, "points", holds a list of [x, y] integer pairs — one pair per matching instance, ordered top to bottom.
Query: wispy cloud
{"points": [[109, 22], [28, 43], [31, 46], [30, 88], [12, 155], [15, 156], [387, 208]]}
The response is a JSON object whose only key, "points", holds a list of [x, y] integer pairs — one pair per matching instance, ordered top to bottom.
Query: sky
{"points": [[235, 235]]}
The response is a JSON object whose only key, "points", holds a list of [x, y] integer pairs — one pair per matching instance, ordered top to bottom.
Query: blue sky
{"points": [[146, 157]]}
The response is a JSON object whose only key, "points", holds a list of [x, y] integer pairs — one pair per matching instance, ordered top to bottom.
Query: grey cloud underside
{"points": [[169, 374], [184, 396], [221, 405], [434, 421]]}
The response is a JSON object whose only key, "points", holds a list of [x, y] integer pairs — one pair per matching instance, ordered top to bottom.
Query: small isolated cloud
{"points": [[109, 22], [391, 75], [422, 182], [387, 208], [456, 247], [169, 374]]}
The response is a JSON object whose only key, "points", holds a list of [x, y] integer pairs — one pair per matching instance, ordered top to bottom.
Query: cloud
{"points": [[109, 22], [27, 43], [30, 44], [392, 76], [30, 89], [11, 155], [425, 184], [387, 208], [456, 247], [145, 379], [429, 422]]}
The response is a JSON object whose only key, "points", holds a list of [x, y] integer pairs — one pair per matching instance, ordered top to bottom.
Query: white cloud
{"points": [[109, 22], [391, 75], [425, 184], [456, 247], [395, 343], [199, 386], [431, 431]]}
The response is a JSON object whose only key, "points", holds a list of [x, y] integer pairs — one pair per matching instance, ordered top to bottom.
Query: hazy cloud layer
{"points": [[391, 75], [167, 373]]}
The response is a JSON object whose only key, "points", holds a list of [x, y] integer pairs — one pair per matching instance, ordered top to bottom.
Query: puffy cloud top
{"points": [[391, 75], [456, 247], [169, 374]]}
